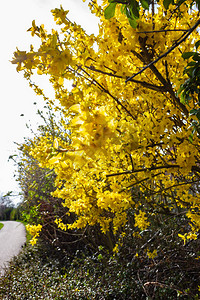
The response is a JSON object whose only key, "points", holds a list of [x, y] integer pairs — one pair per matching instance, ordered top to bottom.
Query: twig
{"points": [[162, 30], [176, 44], [143, 83], [107, 92], [131, 162], [143, 170], [175, 185], [151, 239], [162, 285], [143, 286]]}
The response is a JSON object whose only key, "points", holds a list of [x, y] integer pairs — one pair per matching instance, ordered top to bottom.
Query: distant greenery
{"points": [[8, 211], [1, 225]]}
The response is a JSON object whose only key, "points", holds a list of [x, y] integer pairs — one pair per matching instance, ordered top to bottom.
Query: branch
{"points": [[162, 30], [176, 44], [160, 77], [143, 83], [107, 92], [196, 168], [143, 170], [138, 182], [175, 185], [151, 239], [163, 285]]}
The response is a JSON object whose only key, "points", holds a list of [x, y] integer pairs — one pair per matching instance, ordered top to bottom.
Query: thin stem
{"points": [[162, 30], [176, 44], [143, 83], [107, 92], [143, 170]]}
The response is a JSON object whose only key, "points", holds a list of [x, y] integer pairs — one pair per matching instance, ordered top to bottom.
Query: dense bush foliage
{"points": [[42, 272]]}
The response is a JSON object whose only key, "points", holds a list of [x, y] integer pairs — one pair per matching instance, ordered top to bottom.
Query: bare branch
{"points": [[162, 30], [176, 44], [160, 77], [143, 83], [107, 92], [144, 170]]}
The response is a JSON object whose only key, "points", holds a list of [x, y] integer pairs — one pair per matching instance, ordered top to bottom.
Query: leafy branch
{"points": [[130, 8]]}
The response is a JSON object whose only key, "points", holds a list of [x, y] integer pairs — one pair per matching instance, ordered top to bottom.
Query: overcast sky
{"points": [[16, 96]]}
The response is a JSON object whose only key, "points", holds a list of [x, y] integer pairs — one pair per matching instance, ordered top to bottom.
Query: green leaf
{"points": [[166, 3], [144, 4], [198, 4], [123, 9], [134, 9], [109, 12], [128, 13], [132, 22], [197, 44], [187, 55], [196, 57], [192, 63], [189, 72], [180, 89], [182, 99], [194, 112], [190, 138], [100, 257]]}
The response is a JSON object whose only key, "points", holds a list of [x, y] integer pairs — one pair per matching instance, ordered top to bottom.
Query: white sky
{"points": [[16, 97]]}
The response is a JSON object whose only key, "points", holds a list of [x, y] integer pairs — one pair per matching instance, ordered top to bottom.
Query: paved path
{"points": [[12, 238]]}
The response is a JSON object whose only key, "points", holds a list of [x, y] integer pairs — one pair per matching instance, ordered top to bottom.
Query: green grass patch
{"points": [[1, 226]]}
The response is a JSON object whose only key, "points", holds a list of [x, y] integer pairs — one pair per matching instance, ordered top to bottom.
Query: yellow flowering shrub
{"points": [[128, 143], [141, 220], [34, 231]]}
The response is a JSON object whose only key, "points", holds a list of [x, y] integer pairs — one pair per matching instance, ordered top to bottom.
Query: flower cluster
{"points": [[128, 142], [34, 230]]}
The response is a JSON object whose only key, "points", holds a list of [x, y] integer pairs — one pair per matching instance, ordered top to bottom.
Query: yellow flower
{"points": [[141, 220], [34, 231], [152, 255]]}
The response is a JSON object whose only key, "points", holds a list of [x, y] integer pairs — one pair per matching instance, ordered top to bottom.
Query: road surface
{"points": [[12, 238]]}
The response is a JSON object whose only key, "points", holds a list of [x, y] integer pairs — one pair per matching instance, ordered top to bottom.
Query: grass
{"points": [[1, 226]]}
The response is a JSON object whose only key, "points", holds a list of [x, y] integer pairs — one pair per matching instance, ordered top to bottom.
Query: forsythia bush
{"points": [[130, 143], [34, 231]]}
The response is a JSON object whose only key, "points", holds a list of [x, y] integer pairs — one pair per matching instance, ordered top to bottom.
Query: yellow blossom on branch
{"points": [[127, 142]]}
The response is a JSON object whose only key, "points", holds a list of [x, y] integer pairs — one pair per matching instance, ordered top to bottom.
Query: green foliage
{"points": [[129, 8], [110, 10], [189, 90], [6, 207], [15, 214], [32, 215], [1, 226], [44, 272]]}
